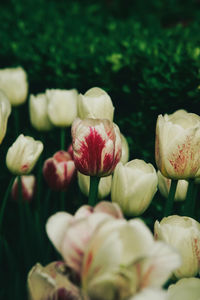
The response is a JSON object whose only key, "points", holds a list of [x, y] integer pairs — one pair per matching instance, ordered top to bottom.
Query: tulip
{"points": [[13, 82], [95, 104], [62, 107], [5, 110], [38, 112], [96, 146], [177, 147], [125, 150], [70, 151], [23, 155], [59, 170], [28, 185], [133, 187], [164, 187], [103, 188], [183, 233], [71, 234], [113, 257], [122, 259], [51, 282], [185, 289], [150, 294]]}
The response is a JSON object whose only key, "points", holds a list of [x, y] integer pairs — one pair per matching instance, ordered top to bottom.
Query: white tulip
{"points": [[13, 82], [96, 104], [62, 107], [5, 110], [38, 112], [178, 145], [23, 155], [164, 184], [133, 187], [103, 188], [183, 233], [185, 289]]}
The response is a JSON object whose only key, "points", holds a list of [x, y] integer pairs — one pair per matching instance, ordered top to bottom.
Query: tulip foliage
{"points": [[83, 206]]}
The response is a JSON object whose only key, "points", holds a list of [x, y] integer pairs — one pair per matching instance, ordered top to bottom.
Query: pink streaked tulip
{"points": [[96, 145], [177, 149], [59, 170], [28, 185], [71, 234], [122, 259]]}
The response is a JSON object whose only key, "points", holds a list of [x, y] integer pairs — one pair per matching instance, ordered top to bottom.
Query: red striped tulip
{"points": [[97, 146], [59, 170], [28, 185]]}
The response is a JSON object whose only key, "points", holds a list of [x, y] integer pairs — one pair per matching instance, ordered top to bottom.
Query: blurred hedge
{"points": [[146, 54]]}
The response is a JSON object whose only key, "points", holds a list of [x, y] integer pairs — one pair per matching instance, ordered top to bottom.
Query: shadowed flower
{"points": [[59, 170]]}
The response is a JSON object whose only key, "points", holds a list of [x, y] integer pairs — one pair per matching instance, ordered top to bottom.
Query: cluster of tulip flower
{"points": [[104, 256]]}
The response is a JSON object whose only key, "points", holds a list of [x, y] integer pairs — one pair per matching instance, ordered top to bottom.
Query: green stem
{"points": [[62, 138], [94, 183], [170, 199], [62, 200], [46, 203], [3, 206], [189, 206]]}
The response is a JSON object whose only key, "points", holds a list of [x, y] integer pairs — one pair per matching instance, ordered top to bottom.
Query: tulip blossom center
{"points": [[91, 153]]}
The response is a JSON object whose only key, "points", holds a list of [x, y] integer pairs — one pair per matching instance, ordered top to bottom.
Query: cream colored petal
{"points": [[57, 226], [185, 289], [150, 294]]}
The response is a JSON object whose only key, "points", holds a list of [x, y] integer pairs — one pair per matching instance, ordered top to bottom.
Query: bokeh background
{"points": [[144, 53]]}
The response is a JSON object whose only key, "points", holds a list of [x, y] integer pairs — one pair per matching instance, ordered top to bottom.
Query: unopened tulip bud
{"points": [[13, 82], [95, 104], [62, 107], [5, 110], [38, 112], [96, 145], [177, 148], [125, 150], [23, 155], [59, 170], [28, 185], [133, 187], [164, 187], [103, 188], [183, 233], [51, 282], [185, 289]]}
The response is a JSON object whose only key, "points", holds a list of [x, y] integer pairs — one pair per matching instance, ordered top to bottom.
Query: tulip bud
{"points": [[13, 82], [95, 104], [62, 107], [5, 110], [38, 112], [97, 146], [177, 148], [125, 150], [23, 155], [59, 170], [28, 185], [133, 187], [164, 187], [103, 188], [183, 233], [51, 282], [185, 289]]}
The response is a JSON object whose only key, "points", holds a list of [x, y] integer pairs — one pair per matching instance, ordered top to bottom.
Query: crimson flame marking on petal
{"points": [[91, 151], [24, 167], [197, 250], [88, 263]]}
